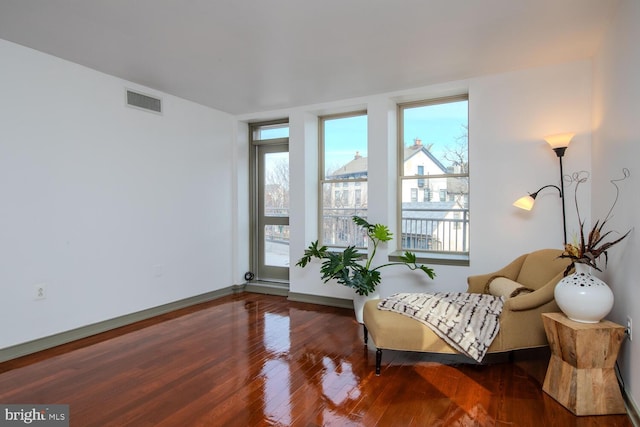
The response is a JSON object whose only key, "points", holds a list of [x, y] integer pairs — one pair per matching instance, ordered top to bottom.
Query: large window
{"points": [[434, 176], [343, 178]]}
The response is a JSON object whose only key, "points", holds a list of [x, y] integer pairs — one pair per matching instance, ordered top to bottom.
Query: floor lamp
{"points": [[559, 144]]}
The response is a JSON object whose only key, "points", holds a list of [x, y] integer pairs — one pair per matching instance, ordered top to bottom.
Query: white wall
{"points": [[509, 116], [616, 145], [115, 209]]}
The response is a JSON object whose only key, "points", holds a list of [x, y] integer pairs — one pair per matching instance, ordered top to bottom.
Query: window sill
{"points": [[461, 260]]}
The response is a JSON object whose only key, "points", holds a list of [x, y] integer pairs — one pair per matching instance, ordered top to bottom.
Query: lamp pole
{"points": [[560, 152]]}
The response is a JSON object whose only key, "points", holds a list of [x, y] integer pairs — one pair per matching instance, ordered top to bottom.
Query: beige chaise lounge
{"points": [[520, 322]]}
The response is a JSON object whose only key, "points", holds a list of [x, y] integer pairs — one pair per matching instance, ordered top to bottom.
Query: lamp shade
{"points": [[559, 140], [525, 203]]}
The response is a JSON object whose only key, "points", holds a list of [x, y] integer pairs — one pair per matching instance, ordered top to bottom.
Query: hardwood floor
{"points": [[258, 360]]}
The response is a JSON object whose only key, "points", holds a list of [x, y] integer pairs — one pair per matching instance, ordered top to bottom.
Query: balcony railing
{"points": [[339, 230], [431, 230], [436, 230]]}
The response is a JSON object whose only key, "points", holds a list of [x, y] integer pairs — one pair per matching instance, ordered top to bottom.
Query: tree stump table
{"points": [[581, 374]]}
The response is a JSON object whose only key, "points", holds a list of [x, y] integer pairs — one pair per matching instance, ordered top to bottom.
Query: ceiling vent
{"points": [[144, 102]]}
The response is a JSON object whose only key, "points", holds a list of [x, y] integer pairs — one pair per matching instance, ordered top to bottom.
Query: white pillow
{"points": [[504, 287]]}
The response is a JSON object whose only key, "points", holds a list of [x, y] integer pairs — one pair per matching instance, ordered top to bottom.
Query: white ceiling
{"points": [[244, 56]]}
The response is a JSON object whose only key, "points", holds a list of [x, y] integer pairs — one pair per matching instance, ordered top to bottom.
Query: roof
{"points": [[419, 148], [356, 168]]}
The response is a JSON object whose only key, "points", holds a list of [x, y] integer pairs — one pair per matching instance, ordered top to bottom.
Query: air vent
{"points": [[144, 102]]}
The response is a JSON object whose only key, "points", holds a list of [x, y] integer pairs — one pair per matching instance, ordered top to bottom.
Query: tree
{"points": [[457, 154], [277, 185]]}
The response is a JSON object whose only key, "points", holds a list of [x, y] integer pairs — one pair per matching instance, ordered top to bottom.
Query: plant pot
{"points": [[583, 297], [358, 303]]}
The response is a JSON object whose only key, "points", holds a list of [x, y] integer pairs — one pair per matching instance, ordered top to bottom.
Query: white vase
{"points": [[583, 297], [358, 303]]}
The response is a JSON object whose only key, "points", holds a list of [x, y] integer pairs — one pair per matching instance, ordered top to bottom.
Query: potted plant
{"points": [[346, 266], [582, 296]]}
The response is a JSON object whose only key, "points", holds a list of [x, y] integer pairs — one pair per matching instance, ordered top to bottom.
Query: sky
{"points": [[440, 124]]}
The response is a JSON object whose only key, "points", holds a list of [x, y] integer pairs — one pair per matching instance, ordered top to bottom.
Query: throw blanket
{"points": [[467, 322]]}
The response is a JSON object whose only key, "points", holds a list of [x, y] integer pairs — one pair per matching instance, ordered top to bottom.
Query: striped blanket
{"points": [[467, 322]]}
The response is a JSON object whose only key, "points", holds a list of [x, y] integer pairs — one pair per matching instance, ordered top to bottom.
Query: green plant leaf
{"points": [[362, 222], [381, 233], [312, 252], [408, 257], [337, 265], [332, 266], [430, 272], [372, 279], [365, 281]]}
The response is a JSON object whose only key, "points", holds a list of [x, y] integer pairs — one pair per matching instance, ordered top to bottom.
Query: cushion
{"points": [[504, 287]]}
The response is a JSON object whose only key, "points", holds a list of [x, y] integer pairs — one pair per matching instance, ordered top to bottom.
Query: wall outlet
{"points": [[40, 291], [629, 329]]}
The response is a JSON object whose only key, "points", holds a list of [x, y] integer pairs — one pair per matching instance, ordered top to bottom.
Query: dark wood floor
{"points": [[257, 360]]}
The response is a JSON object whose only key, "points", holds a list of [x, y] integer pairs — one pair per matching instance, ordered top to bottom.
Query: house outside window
{"points": [[433, 155], [343, 175]]}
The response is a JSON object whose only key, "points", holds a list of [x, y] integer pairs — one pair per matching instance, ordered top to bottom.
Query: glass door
{"points": [[272, 213]]}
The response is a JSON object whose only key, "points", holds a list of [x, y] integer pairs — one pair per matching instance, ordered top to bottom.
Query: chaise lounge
{"points": [[520, 320]]}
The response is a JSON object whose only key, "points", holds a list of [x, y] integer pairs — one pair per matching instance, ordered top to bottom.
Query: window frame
{"points": [[322, 180], [429, 255], [276, 276]]}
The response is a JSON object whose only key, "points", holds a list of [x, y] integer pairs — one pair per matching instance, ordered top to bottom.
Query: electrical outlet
{"points": [[40, 291], [629, 329]]}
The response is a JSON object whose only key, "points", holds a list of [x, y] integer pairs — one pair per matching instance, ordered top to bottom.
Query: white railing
{"points": [[422, 229], [339, 230], [434, 230]]}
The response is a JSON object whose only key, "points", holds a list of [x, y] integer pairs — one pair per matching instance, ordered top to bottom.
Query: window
{"points": [[266, 132], [433, 155], [420, 173], [343, 175], [345, 197]]}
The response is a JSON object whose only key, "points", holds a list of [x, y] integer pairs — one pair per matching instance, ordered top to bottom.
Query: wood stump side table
{"points": [[581, 374]]}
